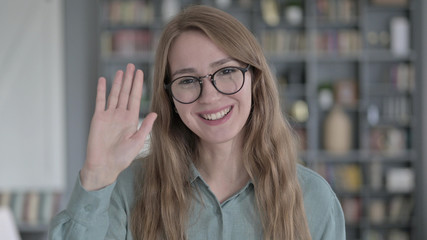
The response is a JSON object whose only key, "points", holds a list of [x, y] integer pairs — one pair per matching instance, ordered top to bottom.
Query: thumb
{"points": [[146, 126]]}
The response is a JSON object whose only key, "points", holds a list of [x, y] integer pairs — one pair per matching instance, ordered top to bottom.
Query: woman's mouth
{"points": [[216, 116]]}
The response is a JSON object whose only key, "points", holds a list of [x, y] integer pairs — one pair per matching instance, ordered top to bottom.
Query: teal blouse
{"points": [[104, 214]]}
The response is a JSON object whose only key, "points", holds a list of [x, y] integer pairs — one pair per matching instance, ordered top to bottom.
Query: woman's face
{"points": [[214, 117]]}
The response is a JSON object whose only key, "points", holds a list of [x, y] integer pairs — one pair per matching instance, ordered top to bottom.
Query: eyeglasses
{"points": [[227, 80]]}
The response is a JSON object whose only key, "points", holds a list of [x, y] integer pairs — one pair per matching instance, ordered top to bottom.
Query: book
{"points": [[390, 2], [106, 42], [130, 42], [343, 42], [346, 93], [376, 175], [349, 178], [400, 180], [5, 199], [17, 206], [46, 207], [32, 208], [352, 209], [400, 209], [377, 211], [397, 234]]}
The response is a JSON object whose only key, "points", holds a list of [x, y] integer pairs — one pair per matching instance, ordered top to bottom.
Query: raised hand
{"points": [[114, 138]]}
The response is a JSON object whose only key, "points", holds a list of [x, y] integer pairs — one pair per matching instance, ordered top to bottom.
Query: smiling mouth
{"points": [[216, 116]]}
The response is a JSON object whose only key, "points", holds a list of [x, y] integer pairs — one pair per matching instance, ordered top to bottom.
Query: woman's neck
{"points": [[222, 168]]}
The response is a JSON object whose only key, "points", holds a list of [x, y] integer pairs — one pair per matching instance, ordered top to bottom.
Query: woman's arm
{"points": [[114, 142], [86, 215]]}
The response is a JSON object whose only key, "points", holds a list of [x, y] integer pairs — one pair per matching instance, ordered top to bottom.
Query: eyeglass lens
{"points": [[227, 80]]}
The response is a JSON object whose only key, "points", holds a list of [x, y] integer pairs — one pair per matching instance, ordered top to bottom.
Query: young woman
{"points": [[222, 161]]}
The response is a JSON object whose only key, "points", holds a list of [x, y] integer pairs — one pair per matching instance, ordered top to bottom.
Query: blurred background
{"points": [[351, 76]]}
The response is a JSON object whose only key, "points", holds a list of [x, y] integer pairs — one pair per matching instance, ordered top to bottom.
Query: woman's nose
{"points": [[209, 92]]}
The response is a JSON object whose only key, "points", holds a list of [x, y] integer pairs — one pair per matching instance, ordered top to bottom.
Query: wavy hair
{"points": [[163, 188]]}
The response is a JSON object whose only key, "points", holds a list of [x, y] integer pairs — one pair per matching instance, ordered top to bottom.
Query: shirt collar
{"points": [[194, 174]]}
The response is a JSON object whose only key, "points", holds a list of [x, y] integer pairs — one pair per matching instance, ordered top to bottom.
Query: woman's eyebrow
{"points": [[221, 62], [192, 70], [184, 71]]}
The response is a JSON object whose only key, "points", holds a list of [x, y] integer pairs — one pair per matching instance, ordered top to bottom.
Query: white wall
{"points": [[32, 127]]}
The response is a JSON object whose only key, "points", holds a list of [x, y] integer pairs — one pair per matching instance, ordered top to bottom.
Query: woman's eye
{"points": [[226, 71], [186, 81]]}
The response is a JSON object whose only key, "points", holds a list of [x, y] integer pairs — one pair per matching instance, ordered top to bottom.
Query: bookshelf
{"points": [[335, 61], [32, 210]]}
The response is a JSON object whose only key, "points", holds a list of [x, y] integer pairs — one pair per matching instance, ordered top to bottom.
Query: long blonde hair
{"points": [[164, 193]]}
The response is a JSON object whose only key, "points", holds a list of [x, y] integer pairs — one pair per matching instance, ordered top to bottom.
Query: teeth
{"points": [[216, 116]]}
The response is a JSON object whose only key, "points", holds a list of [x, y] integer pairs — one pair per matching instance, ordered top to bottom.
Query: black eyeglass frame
{"points": [[168, 86]]}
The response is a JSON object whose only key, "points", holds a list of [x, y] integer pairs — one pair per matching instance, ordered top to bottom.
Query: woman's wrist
{"points": [[93, 180]]}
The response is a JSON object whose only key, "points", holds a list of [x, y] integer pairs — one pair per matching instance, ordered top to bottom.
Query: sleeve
{"points": [[87, 216], [334, 227]]}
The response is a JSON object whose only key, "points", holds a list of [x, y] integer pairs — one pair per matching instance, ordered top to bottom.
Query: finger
{"points": [[126, 86], [115, 90], [136, 92], [100, 95], [146, 127]]}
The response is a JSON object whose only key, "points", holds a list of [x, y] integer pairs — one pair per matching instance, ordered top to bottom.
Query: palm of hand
{"points": [[114, 138]]}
